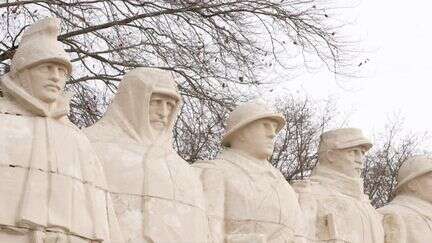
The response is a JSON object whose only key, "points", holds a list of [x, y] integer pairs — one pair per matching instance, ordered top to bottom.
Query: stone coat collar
{"points": [[249, 164], [352, 187], [416, 204]]}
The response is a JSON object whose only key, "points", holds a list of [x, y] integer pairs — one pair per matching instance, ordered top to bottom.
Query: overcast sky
{"points": [[398, 38]]}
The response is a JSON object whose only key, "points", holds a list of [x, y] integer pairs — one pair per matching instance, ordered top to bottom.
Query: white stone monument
{"points": [[52, 186], [157, 195], [248, 199], [334, 205], [408, 217]]}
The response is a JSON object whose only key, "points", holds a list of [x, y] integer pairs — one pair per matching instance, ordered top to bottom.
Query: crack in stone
{"points": [[56, 173], [162, 198], [22, 230]]}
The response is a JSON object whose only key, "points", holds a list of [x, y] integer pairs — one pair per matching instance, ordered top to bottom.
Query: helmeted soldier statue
{"points": [[52, 185], [157, 195], [248, 199], [334, 205], [408, 217]]}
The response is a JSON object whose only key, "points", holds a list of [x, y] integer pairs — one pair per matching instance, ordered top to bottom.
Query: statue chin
{"points": [[158, 127], [69, 180]]}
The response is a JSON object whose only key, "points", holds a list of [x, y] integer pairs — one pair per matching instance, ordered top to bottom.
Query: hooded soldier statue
{"points": [[52, 186], [157, 195], [248, 199], [334, 205], [408, 217]]}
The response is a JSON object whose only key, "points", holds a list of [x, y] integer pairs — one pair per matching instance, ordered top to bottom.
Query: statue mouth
{"points": [[52, 86], [159, 123]]}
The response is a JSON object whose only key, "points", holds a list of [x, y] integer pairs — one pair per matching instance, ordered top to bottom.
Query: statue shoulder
{"points": [[9, 107], [101, 132], [215, 164], [210, 169], [305, 186], [393, 211], [394, 225]]}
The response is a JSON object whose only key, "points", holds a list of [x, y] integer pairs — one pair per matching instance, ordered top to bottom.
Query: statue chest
{"points": [[46, 145], [260, 197]]}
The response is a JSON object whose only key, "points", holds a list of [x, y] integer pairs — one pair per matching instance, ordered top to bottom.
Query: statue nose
{"points": [[54, 75], [163, 110]]}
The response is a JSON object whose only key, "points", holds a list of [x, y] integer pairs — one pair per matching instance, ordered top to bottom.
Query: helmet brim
{"points": [[228, 136]]}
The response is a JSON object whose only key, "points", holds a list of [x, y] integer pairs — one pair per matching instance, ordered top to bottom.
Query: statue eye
{"points": [[43, 68], [62, 71], [155, 101], [171, 105], [268, 125]]}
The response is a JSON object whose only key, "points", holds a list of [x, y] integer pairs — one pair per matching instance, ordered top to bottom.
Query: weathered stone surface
{"points": [[51, 183], [55, 188], [157, 196], [248, 199], [334, 205], [408, 217]]}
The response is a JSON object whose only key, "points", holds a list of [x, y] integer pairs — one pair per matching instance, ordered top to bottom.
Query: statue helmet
{"points": [[39, 44], [246, 113], [412, 168]]}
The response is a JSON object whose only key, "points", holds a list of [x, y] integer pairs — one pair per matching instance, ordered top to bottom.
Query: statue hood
{"points": [[130, 107]]}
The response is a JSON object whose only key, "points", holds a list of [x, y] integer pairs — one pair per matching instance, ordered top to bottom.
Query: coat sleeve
{"points": [[214, 186], [214, 191], [309, 207], [319, 222], [394, 227]]}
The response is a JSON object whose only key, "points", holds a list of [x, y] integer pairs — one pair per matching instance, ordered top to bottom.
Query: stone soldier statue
{"points": [[52, 186], [157, 195], [248, 199], [334, 205], [408, 217]]}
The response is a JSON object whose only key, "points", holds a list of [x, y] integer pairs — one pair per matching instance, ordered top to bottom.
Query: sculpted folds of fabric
{"points": [[51, 182], [127, 184], [157, 195], [248, 199], [334, 205], [334, 213], [408, 217], [407, 220]]}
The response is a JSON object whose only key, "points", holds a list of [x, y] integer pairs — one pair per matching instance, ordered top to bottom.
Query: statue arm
{"points": [[214, 187], [214, 191], [309, 213], [394, 228], [115, 234]]}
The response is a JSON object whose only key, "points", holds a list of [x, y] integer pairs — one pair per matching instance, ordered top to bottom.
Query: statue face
{"points": [[47, 81], [161, 109], [257, 138], [347, 161], [424, 186]]}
